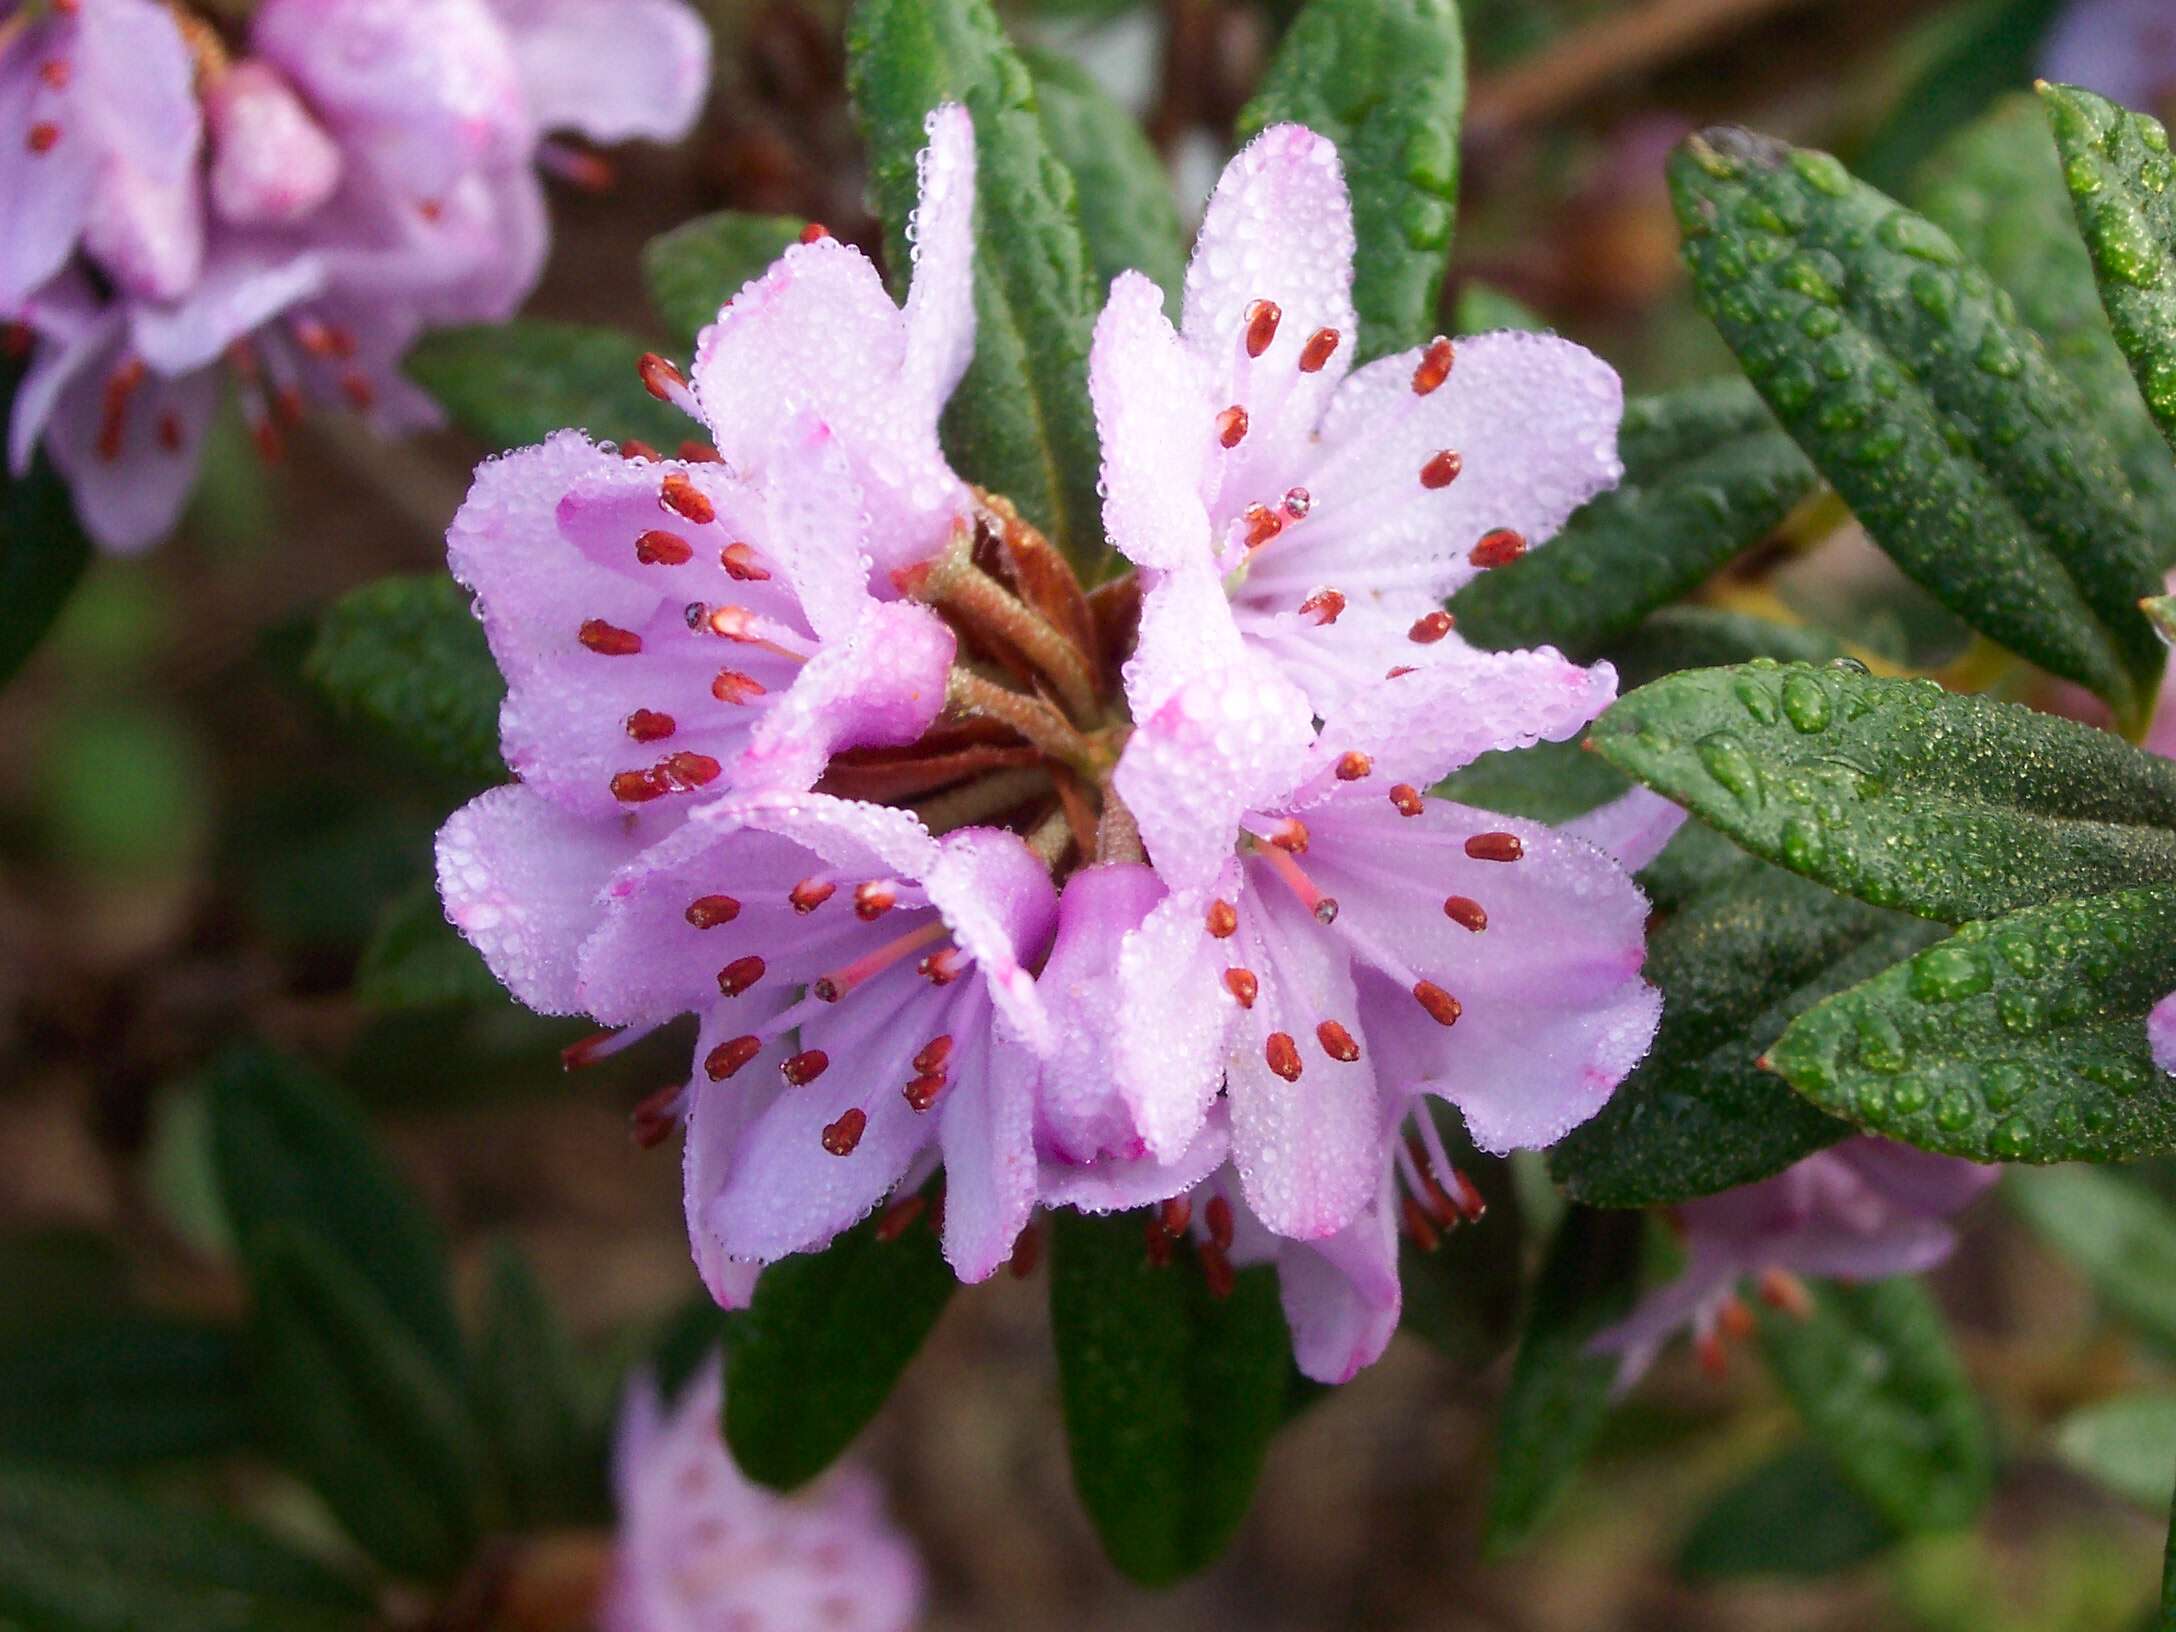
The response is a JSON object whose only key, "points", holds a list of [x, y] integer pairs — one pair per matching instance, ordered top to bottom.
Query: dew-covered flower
{"points": [[1339, 505], [1863, 1210], [703, 1548]]}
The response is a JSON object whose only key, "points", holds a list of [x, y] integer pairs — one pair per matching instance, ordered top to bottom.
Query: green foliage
{"points": [[1971, 55], [1386, 81], [1128, 211], [693, 270], [1907, 379], [511, 384], [1020, 421], [1707, 474], [43, 552], [1702, 637], [406, 658], [1549, 782], [1896, 791], [417, 960], [2022, 1039], [2119, 1234], [1463, 1294], [820, 1348], [1872, 1373], [121, 1387], [1171, 1394], [532, 1400], [2127, 1443], [1792, 1516]]}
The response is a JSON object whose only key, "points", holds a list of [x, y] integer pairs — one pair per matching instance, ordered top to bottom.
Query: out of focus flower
{"points": [[2124, 49], [702, 1548]]}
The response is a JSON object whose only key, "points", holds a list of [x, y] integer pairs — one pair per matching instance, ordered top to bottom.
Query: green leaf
{"points": [[1971, 55], [1386, 81], [2117, 166], [1997, 188], [1129, 213], [693, 270], [1483, 308], [1906, 377], [511, 384], [1020, 422], [1708, 473], [43, 552], [1701, 637], [405, 657], [1548, 782], [1896, 791], [417, 960], [1737, 963], [2022, 1039], [290, 1151], [2120, 1234], [1463, 1296], [819, 1350], [1874, 1377], [1560, 1386], [122, 1387], [1171, 1395], [533, 1403], [354, 1404], [2127, 1443], [1791, 1516], [77, 1555], [2168, 1576]]}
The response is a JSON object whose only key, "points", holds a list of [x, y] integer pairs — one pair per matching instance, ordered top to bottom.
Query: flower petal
{"points": [[611, 69], [940, 321], [1156, 418], [1632, 829], [1174, 1016], [988, 1136], [1341, 1295]]}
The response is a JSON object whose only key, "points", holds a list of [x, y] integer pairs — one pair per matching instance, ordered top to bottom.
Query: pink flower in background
{"points": [[2124, 49], [2161, 1033], [702, 1548]]}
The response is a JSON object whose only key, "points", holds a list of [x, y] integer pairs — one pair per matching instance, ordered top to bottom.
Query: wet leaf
{"points": [[697, 267]]}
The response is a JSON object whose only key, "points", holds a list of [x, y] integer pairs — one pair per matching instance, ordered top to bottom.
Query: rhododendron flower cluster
{"points": [[283, 205], [1099, 898]]}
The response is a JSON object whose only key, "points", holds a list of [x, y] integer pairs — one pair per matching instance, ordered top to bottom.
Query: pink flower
{"points": [[2124, 49], [1339, 505], [2161, 1033], [1863, 1210], [702, 1548]]}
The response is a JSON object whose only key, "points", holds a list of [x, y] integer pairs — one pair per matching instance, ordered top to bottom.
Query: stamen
{"points": [[55, 71], [43, 135], [814, 232], [1262, 318], [1320, 345], [1434, 366], [663, 380], [120, 385], [1231, 426], [170, 431], [633, 449], [692, 452], [1441, 469], [684, 498], [1298, 502], [1263, 524], [1497, 548], [662, 549], [740, 563], [1325, 604], [1427, 630], [609, 640], [732, 686], [648, 725], [1352, 765], [684, 770], [637, 787], [1407, 798], [1290, 835], [1495, 847], [810, 894], [874, 899], [1324, 907], [709, 911], [1466, 912], [1222, 919], [943, 968], [742, 973], [1242, 984], [835, 985], [1442, 1008], [1337, 1042], [935, 1054], [1283, 1055], [728, 1057], [805, 1067], [922, 1092], [654, 1117], [842, 1136], [1174, 1215], [898, 1217], [1219, 1217], [1418, 1225], [1157, 1243], [1027, 1251], [1216, 1270], [1782, 1291], [1735, 1320], [1714, 1359]]}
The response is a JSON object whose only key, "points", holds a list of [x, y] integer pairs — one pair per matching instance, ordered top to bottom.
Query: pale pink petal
{"points": [[611, 69], [272, 164], [45, 182], [146, 230], [244, 286], [940, 310], [1156, 417], [129, 488], [1632, 829], [998, 901], [2161, 1033], [1168, 1048], [718, 1116], [988, 1138], [1917, 1181], [1341, 1295]]}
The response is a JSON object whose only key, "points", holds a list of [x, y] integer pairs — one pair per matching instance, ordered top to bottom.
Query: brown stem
{"points": [[984, 605], [1034, 719], [895, 779], [979, 801], [1118, 836]]}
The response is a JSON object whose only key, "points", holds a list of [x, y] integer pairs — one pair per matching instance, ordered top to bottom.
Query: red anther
{"points": [[54, 71], [42, 136], [431, 209], [813, 231], [1262, 318], [16, 339], [1318, 350], [1434, 366], [661, 377], [120, 385], [361, 394], [1231, 426], [170, 432], [271, 446], [633, 449], [692, 452], [1441, 469], [683, 497], [1298, 503], [1263, 524], [1497, 548], [661, 549], [741, 564], [1325, 604], [733, 622], [1430, 628], [609, 640], [1398, 671], [732, 686], [648, 725], [1352, 765], [684, 770], [638, 787], [1407, 798], [1290, 836], [1495, 847], [810, 894], [874, 899], [709, 911], [1465, 912], [1222, 919], [942, 967], [742, 973], [1242, 984], [1442, 1008], [1337, 1042], [587, 1052], [934, 1054], [1283, 1055], [729, 1056], [805, 1067], [922, 1092], [651, 1122], [842, 1136], [1472, 1206], [1174, 1215], [1218, 1215], [899, 1217], [1419, 1225], [1158, 1244], [1027, 1252], [1216, 1269], [1780, 1290], [1735, 1320], [1713, 1357]]}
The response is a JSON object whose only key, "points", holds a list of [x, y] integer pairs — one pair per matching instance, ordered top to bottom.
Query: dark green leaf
{"points": [[1973, 54], [1386, 81], [2118, 169], [1128, 211], [701, 264], [1484, 308], [1905, 375], [511, 384], [1020, 422], [1708, 473], [42, 554], [1700, 637], [406, 658], [1549, 782], [1898, 792], [1698, 857], [416, 960], [1736, 963], [2017, 1040], [291, 1151], [2120, 1234], [57, 1275], [1463, 1295], [819, 1350], [1872, 1373], [1560, 1386], [122, 1388], [1171, 1395], [533, 1403], [355, 1405], [2127, 1443], [1791, 1516], [82, 1556], [2168, 1576]]}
